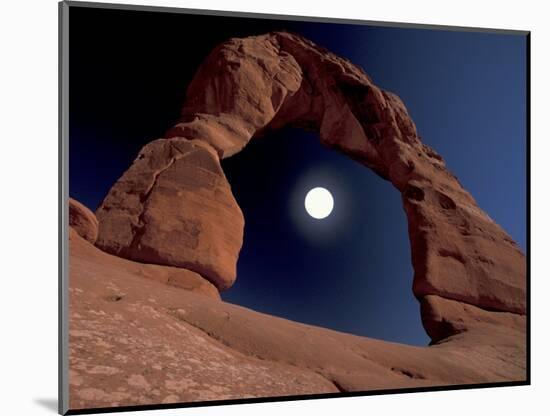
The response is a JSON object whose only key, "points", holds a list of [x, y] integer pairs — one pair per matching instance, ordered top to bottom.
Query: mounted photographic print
{"points": [[265, 208]]}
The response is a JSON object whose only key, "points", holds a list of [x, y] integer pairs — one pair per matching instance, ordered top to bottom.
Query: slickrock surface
{"points": [[174, 207], [83, 220], [171, 276], [135, 341], [129, 346]]}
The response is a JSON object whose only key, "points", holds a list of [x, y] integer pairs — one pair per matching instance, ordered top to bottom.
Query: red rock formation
{"points": [[248, 86], [174, 207], [83, 220], [107, 264], [136, 341]]}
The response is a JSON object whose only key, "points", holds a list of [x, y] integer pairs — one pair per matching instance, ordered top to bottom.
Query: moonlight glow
{"points": [[319, 203]]}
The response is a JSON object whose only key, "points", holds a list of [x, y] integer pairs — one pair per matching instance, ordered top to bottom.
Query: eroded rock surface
{"points": [[174, 207], [83, 220], [174, 277], [136, 341], [128, 345]]}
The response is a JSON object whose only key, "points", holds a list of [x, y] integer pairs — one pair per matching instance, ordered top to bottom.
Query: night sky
{"points": [[351, 271]]}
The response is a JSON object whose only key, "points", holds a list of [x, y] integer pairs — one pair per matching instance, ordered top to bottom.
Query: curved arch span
{"points": [[463, 261]]}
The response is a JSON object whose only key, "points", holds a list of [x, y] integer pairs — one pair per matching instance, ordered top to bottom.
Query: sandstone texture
{"points": [[174, 207], [83, 220], [171, 276], [136, 341], [128, 344]]}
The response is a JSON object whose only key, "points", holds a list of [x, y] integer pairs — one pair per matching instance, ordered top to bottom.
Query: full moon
{"points": [[319, 203]]}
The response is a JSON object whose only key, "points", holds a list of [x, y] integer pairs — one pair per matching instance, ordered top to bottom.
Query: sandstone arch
{"points": [[464, 262]]}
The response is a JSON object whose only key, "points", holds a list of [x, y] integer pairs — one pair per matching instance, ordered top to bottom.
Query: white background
{"points": [[28, 205]]}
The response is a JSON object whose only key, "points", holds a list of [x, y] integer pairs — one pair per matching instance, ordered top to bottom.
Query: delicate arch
{"points": [[247, 86]]}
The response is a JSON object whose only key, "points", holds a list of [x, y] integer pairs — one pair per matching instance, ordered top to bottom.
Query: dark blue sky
{"points": [[352, 271]]}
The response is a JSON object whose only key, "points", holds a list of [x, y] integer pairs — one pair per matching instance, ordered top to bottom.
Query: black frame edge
{"points": [[322, 19], [528, 200], [63, 237], [294, 398]]}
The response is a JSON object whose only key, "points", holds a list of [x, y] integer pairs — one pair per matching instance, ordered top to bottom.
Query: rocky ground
{"points": [[137, 339]]}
